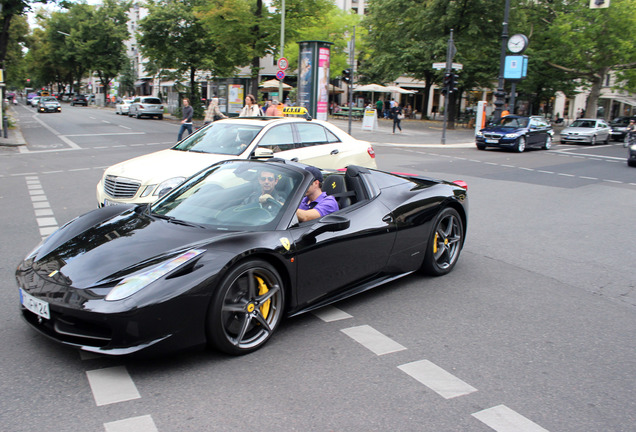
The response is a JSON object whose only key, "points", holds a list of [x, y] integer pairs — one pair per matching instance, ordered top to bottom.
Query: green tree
{"points": [[408, 36], [173, 37], [587, 43], [107, 50], [14, 63]]}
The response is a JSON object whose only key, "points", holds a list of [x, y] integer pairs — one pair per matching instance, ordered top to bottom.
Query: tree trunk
{"points": [[591, 106]]}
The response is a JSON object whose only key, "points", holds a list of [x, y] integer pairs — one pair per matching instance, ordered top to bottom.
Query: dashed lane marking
{"points": [[47, 224], [330, 314], [373, 340], [437, 379], [112, 385], [503, 419], [133, 424]]}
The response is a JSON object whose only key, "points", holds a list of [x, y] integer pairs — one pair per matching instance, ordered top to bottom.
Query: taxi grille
{"points": [[118, 187]]}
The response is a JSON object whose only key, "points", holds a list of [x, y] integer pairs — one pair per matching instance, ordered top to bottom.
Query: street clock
{"points": [[517, 43]]}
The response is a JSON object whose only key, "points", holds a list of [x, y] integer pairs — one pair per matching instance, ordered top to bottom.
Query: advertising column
{"points": [[313, 77]]}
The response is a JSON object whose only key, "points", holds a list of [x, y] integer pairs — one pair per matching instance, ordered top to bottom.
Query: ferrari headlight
{"points": [[168, 185], [132, 284]]}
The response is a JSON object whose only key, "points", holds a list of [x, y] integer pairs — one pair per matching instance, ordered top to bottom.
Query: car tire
{"points": [[72, 104], [138, 116], [160, 117], [607, 140], [593, 142], [548, 143], [520, 145], [481, 147], [631, 163], [444, 244], [246, 308]]}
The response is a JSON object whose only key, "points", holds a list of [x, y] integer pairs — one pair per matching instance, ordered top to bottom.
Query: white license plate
{"points": [[492, 141], [109, 203], [36, 306]]}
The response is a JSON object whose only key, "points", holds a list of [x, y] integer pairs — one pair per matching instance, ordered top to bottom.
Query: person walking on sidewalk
{"points": [[213, 113], [397, 115], [186, 123]]}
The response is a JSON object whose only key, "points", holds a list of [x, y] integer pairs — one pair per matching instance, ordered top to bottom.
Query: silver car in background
{"points": [[147, 106], [588, 131]]}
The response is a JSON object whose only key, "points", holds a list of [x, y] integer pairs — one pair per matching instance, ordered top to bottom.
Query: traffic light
{"points": [[346, 76], [453, 82]]}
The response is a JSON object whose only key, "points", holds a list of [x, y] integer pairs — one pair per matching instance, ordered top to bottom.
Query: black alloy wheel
{"points": [[445, 243], [246, 308]]}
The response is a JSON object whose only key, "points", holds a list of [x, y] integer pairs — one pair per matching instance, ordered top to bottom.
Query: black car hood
{"points": [[502, 129], [87, 255]]}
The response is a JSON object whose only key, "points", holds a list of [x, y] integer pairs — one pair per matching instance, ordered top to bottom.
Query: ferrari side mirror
{"points": [[328, 223]]}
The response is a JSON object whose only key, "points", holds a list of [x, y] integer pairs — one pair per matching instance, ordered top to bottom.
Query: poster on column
{"points": [[305, 77], [322, 108]]}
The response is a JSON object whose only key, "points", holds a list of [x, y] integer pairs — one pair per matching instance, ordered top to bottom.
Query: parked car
{"points": [[79, 99], [49, 104], [146, 106], [123, 107], [619, 127], [587, 131], [516, 133], [631, 156], [145, 178], [207, 265]]}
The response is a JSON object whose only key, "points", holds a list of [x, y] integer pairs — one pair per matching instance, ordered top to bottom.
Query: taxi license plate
{"points": [[492, 141], [36, 306]]}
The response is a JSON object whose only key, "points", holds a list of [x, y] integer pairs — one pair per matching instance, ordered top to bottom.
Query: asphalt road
{"points": [[532, 331]]}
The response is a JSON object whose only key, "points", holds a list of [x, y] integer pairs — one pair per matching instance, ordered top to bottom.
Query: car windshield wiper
{"points": [[176, 221]]}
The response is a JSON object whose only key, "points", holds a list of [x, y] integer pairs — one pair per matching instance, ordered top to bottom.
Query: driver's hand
{"points": [[264, 197]]}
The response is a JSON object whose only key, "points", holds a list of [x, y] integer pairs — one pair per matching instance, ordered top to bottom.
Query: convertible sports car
{"points": [[208, 263]]}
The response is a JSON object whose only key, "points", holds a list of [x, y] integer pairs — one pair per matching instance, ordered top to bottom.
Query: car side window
{"points": [[136, 100], [312, 134], [278, 138]]}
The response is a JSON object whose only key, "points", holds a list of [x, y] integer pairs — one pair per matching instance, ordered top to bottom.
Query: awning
{"points": [[626, 101]]}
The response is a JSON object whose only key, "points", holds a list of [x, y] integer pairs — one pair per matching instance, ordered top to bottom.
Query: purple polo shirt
{"points": [[325, 204]]}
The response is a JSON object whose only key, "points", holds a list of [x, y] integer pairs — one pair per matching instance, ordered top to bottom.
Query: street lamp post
{"points": [[282, 49], [500, 94]]}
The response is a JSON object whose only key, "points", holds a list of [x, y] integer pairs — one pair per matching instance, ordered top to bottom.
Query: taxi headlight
{"points": [[168, 185], [135, 283]]}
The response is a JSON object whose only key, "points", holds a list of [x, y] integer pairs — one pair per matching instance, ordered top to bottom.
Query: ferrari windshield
{"points": [[514, 122], [230, 138], [233, 195]]}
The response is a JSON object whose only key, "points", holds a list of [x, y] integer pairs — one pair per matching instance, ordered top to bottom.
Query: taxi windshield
{"points": [[230, 138]]}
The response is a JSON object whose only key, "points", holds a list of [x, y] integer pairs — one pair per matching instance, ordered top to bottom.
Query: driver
{"points": [[268, 195], [316, 203]]}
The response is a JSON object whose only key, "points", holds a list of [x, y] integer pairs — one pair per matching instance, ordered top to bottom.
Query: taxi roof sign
{"points": [[296, 112]]}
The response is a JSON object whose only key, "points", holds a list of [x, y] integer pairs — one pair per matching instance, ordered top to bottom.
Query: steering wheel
{"points": [[271, 205]]}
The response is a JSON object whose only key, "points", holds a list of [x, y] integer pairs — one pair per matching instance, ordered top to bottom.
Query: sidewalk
{"points": [[14, 135]]}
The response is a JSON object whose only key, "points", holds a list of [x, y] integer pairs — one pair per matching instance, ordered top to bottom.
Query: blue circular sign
{"points": [[280, 74]]}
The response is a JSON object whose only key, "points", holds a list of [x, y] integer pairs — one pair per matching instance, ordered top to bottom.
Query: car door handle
{"points": [[335, 151]]}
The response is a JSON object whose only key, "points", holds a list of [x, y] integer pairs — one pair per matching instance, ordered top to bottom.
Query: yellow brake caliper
{"points": [[435, 243], [262, 289]]}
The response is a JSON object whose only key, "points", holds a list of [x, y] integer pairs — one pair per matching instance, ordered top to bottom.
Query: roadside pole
{"points": [[352, 56], [449, 69]]}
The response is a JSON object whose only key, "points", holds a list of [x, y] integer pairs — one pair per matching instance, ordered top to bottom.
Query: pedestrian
{"points": [[378, 107], [251, 108], [272, 110], [213, 113], [397, 115], [186, 123], [631, 134]]}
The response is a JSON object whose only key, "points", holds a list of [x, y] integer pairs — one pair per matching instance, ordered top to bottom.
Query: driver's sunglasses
{"points": [[267, 179]]}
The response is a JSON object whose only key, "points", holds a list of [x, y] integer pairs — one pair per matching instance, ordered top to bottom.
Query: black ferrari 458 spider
{"points": [[207, 263]]}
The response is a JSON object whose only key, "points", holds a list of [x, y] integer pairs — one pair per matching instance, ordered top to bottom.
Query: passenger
{"points": [[268, 196], [316, 203]]}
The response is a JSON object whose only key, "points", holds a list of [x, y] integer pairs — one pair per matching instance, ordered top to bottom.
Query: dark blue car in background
{"points": [[516, 133]]}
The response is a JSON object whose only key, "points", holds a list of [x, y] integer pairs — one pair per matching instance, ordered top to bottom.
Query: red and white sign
{"points": [[283, 63], [280, 75]]}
